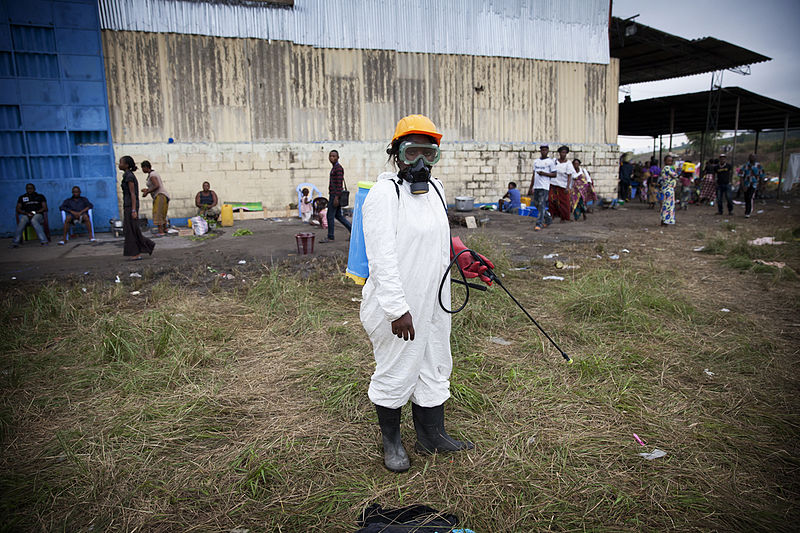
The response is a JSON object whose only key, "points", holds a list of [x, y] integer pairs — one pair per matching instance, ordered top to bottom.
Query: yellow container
{"points": [[526, 201], [226, 215], [189, 222]]}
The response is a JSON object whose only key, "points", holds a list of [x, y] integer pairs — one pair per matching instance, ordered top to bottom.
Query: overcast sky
{"points": [[769, 27]]}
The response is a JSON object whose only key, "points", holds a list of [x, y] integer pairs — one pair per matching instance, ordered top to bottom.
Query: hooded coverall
{"points": [[408, 249]]}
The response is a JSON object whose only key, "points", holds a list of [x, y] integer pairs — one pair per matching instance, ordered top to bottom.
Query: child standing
{"points": [[305, 206]]}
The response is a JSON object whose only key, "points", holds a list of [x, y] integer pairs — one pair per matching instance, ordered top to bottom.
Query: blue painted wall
{"points": [[54, 122]]}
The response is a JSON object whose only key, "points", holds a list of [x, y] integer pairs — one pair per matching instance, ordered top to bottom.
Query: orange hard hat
{"points": [[416, 124]]}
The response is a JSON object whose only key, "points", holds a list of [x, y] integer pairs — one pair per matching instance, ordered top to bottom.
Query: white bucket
{"points": [[464, 203]]}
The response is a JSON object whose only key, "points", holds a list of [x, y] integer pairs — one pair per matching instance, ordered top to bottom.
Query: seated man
{"points": [[513, 201], [206, 202], [31, 208], [76, 209]]}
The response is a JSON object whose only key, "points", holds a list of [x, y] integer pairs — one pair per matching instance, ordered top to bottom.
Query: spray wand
{"points": [[489, 273]]}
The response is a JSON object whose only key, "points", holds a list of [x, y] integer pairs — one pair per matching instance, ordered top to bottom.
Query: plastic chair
{"points": [[312, 189], [71, 227]]}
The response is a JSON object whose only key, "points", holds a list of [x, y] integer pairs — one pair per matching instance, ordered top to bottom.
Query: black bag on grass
{"points": [[419, 518]]}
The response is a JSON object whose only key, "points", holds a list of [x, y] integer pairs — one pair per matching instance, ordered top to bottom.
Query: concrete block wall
{"points": [[270, 172]]}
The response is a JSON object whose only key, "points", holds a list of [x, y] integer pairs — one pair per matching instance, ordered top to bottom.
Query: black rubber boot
{"points": [[431, 435], [395, 457]]}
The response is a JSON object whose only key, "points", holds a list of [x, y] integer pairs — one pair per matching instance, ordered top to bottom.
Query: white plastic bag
{"points": [[199, 225]]}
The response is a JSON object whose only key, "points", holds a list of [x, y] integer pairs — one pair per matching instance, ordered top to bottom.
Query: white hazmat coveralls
{"points": [[408, 249]]}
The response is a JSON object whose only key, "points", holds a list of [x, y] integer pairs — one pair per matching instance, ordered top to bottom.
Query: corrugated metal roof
{"points": [[561, 30], [649, 54], [756, 112]]}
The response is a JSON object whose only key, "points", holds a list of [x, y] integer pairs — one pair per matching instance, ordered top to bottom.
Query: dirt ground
{"points": [[633, 227], [631, 232]]}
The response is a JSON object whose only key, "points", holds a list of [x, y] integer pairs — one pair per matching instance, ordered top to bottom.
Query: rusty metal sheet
{"points": [[207, 89], [451, 95], [135, 99], [269, 100], [344, 115]]}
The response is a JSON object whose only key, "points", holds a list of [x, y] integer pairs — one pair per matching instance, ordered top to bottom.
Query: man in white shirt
{"points": [[543, 170], [560, 185]]}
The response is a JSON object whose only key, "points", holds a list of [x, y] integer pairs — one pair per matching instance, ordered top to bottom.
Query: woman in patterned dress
{"points": [[667, 181], [581, 192]]}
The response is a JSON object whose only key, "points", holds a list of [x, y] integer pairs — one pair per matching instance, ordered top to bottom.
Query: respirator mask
{"points": [[419, 158]]}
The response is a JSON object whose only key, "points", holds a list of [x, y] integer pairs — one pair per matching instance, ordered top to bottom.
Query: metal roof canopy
{"points": [[648, 54], [683, 113]]}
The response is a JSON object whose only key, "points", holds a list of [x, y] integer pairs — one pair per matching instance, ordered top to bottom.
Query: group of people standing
{"points": [[717, 176], [714, 184], [561, 187], [136, 243]]}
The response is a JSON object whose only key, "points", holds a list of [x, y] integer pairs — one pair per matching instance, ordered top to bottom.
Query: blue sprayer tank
{"points": [[357, 265]]}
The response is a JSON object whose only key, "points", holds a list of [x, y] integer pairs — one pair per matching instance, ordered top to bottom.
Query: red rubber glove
{"points": [[468, 264]]}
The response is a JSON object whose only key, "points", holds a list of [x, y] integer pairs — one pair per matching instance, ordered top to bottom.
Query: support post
{"points": [[671, 125], [735, 133], [703, 146], [660, 147], [755, 148], [654, 150], [783, 152]]}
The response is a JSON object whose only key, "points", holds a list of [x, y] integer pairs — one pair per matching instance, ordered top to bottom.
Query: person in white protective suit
{"points": [[407, 238]]}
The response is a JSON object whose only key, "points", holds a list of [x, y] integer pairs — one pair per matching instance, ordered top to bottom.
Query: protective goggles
{"points": [[411, 152]]}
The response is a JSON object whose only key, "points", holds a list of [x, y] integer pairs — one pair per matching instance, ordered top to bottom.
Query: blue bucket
{"points": [[357, 264]]}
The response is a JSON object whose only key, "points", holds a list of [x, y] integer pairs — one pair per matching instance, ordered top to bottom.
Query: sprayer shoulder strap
{"points": [[397, 190]]}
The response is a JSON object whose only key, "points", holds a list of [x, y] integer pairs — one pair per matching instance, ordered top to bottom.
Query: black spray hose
{"points": [[489, 273], [463, 281]]}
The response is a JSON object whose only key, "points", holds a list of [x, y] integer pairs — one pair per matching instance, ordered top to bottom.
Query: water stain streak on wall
{"points": [[210, 89]]}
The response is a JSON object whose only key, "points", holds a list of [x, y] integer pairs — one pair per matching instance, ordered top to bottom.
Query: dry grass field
{"points": [[199, 407]]}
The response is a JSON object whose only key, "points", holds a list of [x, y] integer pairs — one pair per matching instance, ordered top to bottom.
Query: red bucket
{"points": [[305, 243]]}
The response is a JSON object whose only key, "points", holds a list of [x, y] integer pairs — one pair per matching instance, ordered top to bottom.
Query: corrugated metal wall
{"points": [[560, 30], [210, 89], [53, 117]]}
